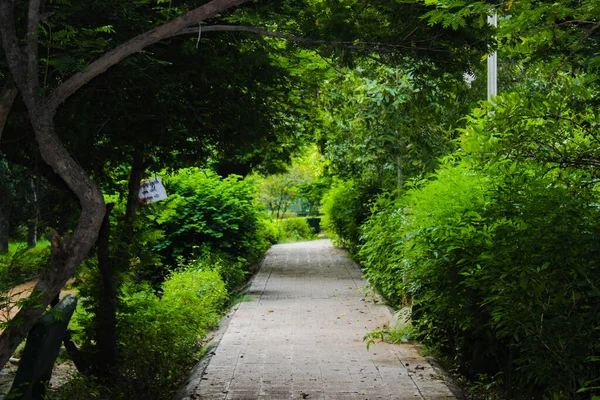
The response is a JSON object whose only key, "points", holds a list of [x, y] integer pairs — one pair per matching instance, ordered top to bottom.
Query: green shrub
{"points": [[346, 207], [203, 209], [288, 214], [268, 230], [294, 230], [499, 249], [380, 253], [501, 265], [232, 270], [506, 280], [159, 337]]}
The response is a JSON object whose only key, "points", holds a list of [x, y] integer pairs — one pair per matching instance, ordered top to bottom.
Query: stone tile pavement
{"points": [[300, 336]]}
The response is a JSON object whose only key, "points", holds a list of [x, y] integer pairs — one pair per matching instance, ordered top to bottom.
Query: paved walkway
{"points": [[301, 337]]}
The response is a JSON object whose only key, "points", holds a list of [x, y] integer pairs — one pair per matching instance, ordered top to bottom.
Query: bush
{"points": [[346, 208], [203, 209], [288, 214], [268, 230], [294, 230], [499, 251], [380, 253], [501, 265], [232, 270], [159, 337]]}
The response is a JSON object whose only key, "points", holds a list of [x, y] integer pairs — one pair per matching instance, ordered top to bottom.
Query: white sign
{"points": [[152, 190]]}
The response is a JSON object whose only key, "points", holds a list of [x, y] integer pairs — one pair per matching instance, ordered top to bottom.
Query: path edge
{"points": [[436, 364], [188, 389]]}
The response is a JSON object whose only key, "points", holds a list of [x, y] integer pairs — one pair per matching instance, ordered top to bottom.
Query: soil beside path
{"points": [[300, 336]]}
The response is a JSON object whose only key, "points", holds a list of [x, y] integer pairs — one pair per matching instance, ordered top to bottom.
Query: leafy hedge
{"points": [[346, 206], [205, 210], [499, 251], [190, 252], [502, 273], [158, 336]]}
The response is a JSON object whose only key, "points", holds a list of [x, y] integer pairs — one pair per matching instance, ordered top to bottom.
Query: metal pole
{"points": [[492, 79]]}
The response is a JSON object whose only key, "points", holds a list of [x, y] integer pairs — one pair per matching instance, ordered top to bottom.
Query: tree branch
{"points": [[134, 45], [351, 45], [32, 48], [67, 255]]}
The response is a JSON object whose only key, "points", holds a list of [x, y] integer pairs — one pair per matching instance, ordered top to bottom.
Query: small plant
{"points": [[399, 330]]}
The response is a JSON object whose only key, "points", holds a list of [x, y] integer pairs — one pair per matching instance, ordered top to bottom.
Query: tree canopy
{"points": [[97, 95]]}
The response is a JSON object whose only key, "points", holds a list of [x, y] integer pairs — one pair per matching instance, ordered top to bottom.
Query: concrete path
{"points": [[300, 336]]}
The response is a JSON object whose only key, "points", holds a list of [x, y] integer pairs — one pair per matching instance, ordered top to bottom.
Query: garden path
{"points": [[300, 335]]}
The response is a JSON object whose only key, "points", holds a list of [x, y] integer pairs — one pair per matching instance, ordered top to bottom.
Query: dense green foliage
{"points": [[385, 124], [299, 189], [346, 207], [203, 209], [494, 246], [498, 249], [192, 251], [22, 263], [501, 269], [159, 334], [158, 337]]}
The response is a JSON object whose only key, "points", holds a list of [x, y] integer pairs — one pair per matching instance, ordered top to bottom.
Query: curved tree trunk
{"points": [[7, 98], [67, 253]]}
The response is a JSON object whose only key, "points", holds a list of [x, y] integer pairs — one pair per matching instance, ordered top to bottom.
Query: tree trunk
{"points": [[7, 98], [135, 176], [399, 177], [5, 199], [33, 219], [67, 254], [106, 320]]}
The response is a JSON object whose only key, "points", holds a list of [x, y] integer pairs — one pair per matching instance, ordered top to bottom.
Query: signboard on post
{"points": [[152, 190]]}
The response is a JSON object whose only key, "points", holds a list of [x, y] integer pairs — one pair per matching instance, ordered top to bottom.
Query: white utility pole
{"points": [[492, 80]]}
